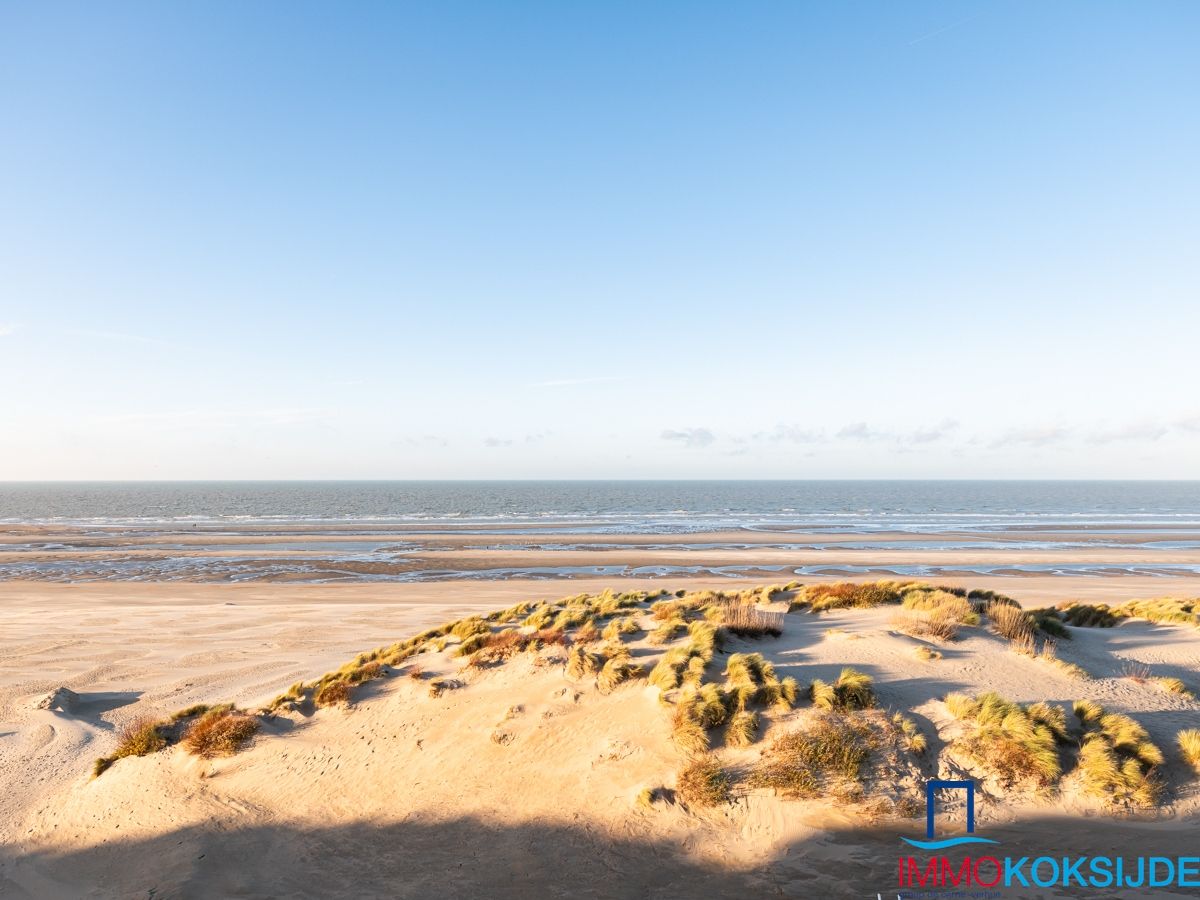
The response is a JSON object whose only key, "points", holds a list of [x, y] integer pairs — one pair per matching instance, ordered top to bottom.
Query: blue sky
{"points": [[599, 240]]}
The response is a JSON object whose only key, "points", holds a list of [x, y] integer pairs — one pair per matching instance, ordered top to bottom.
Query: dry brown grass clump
{"points": [[849, 595], [665, 610], [587, 633], [928, 654], [332, 693], [220, 732], [140, 737], [1013, 742], [1117, 760], [809, 762], [703, 782]]}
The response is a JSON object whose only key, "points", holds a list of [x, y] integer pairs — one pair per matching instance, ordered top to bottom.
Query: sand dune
{"points": [[519, 781]]}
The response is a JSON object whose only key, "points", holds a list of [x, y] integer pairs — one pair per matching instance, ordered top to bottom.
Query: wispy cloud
{"points": [[945, 28], [6, 329], [122, 336], [572, 382], [201, 418], [1188, 423], [860, 431], [1134, 431], [938, 432], [792, 434], [1035, 436], [690, 437], [497, 442]]}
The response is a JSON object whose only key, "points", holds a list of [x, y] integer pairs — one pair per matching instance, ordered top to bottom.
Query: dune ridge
{"points": [[707, 732]]}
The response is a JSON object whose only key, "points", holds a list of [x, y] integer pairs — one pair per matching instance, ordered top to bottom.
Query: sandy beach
{"points": [[399, 776]]}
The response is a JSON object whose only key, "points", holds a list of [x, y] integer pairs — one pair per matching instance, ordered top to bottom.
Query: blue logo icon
{"points": [[931, 789]]}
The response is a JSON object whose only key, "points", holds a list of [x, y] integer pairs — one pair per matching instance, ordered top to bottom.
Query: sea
{"points": [[652, 507], [376, 531]]}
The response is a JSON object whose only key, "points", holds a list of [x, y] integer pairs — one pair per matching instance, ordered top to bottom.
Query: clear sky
{"points": [[331, 240]]}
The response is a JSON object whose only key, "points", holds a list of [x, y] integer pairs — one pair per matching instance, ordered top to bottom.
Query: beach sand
{"points": [[521, 784]]}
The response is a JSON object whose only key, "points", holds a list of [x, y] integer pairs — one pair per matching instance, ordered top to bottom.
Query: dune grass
{"points": [[848, 595], [982, 596], [1162, 610], [934, 613], [1087, 615], [746, 620], [1047, 621], [1011, 622], [619, 626], [1021, 629], [668, 631], [927, 654], [581, 663], [618, 669], [754, 680], [1172, 685], [851, 691], [333, 693], [743, 728], [220, 732], [688, 734], [139, 737], [914, 738], [1013, 742], [1189, 746], [1117, 760], [809, 762], [702, 782]]}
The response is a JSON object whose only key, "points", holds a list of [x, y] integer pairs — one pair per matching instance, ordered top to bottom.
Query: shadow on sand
{"points": [[466, 858]]}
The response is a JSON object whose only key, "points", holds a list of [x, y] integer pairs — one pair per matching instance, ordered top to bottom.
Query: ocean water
{"points": [[651, 507]]}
